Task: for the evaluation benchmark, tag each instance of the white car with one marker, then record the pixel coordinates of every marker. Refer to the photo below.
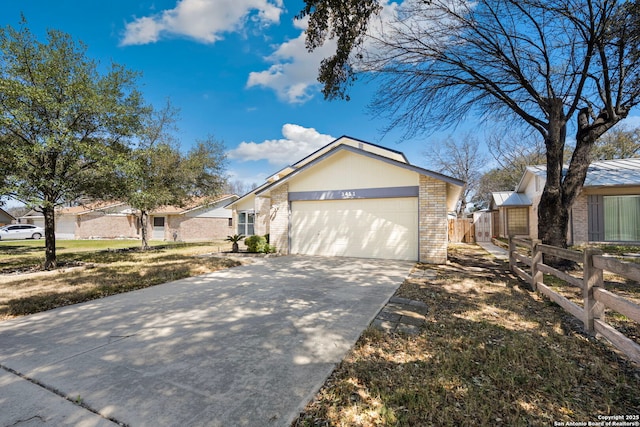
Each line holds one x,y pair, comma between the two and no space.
21,231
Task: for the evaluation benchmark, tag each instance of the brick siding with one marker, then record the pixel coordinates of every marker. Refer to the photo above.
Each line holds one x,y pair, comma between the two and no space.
98,225
262,211
579,220
189,229
279,228
432,222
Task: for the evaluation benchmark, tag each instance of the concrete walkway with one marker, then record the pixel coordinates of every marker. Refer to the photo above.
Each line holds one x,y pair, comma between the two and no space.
494,250
241,347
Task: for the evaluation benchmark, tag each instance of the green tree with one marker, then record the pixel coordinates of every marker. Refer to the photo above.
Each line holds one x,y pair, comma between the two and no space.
536,64
64,125
158,174
619,143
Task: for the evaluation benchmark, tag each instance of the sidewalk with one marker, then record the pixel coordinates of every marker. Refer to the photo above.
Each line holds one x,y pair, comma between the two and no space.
494,250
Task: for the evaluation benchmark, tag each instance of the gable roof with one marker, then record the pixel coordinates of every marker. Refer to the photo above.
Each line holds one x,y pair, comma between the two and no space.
194,205
3,212
100,206
603,173
350,144
338,148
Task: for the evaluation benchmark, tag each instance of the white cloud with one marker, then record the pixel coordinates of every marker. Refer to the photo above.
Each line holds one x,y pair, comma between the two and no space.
202,20
298,142
294,70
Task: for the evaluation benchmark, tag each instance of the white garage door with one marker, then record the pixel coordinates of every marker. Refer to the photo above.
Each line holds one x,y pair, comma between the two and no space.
364,228
65,227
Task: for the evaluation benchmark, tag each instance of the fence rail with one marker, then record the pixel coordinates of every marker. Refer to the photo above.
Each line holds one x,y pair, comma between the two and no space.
595,299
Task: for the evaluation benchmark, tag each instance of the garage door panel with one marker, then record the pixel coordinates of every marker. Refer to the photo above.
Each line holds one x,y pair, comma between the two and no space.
368,228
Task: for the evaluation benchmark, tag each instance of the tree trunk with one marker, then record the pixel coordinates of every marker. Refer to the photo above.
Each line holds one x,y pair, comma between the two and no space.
560,190
144,222
553,213
49,238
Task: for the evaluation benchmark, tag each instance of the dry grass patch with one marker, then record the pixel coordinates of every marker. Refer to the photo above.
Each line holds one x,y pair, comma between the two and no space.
491,353
103,274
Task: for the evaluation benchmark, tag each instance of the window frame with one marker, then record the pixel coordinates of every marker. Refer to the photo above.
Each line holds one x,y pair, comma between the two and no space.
246,222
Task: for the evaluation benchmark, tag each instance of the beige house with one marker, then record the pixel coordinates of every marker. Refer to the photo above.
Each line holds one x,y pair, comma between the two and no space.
352,198
606,210
110,220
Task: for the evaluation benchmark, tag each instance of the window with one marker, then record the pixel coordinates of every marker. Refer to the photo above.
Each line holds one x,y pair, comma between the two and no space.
158,221
518,221
230,222
621,218
245,223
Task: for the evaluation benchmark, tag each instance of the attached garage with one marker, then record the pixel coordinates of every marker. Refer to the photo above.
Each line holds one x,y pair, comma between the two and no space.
367,228
356,199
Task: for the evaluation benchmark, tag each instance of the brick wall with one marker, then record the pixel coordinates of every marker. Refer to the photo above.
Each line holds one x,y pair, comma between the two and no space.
432,199
98,225
188,229
279,228
579,221
262,211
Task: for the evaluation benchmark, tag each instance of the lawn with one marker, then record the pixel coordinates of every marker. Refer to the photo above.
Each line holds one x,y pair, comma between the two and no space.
491,353
94,269
30,253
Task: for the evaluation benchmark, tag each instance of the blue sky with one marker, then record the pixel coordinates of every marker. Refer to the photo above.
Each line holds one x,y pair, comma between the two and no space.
236,69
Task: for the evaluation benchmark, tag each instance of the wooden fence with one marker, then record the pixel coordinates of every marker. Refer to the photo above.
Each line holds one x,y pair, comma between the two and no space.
595,299
461,230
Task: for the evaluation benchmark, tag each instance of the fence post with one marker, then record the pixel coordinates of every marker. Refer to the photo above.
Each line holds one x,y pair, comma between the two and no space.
512,248
536,258
592,279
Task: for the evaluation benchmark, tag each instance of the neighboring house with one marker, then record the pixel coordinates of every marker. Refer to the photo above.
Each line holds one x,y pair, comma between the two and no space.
5,218
353,198
109,220
606,210
198,221
512,217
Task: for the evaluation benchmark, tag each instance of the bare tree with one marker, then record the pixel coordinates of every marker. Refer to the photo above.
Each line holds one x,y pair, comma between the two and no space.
529,63
462,159
512,153
238,187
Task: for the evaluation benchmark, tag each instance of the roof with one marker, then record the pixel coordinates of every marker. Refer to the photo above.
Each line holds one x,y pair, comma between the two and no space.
505,199
86,208
603,173
195,204
2,211
354,145
447,179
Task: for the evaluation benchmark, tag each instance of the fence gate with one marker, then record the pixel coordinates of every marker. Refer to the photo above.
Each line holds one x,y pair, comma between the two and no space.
482,223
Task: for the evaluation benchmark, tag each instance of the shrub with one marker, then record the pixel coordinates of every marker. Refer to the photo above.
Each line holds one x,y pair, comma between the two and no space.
255,244
259,244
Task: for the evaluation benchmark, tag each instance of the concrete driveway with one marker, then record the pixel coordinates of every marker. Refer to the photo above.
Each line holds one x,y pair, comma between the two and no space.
242,347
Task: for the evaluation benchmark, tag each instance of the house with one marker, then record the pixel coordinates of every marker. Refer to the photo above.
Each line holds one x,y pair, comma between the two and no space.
5,218
352,198
606,210
513,212
196,222
108,220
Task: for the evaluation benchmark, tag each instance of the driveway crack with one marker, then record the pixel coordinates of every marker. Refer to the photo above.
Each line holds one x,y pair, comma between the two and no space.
76,401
